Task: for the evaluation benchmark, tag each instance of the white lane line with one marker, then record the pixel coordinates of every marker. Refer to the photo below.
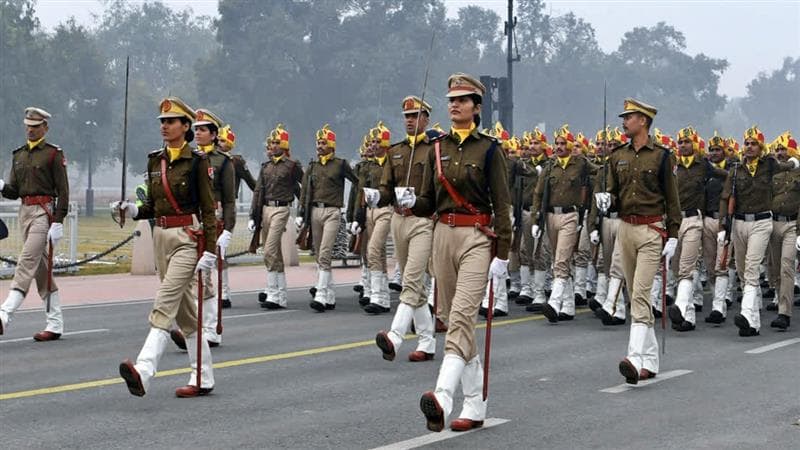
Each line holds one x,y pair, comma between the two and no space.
271,313
769,347
71,333
438,437
661,377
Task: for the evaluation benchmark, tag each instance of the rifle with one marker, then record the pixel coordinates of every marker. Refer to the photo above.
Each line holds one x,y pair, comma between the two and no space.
517,205
255,241
422,99
121,221
584,197
304,239
729,218
541,218
602,179
357,241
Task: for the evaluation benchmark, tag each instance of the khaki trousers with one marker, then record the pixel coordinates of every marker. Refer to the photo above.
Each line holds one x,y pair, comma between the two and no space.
413,238
782,242
176,258
273,222
640,254
526,240
562,230
750,239
379,223
32,262
324,226
584,254
461,258
690,241
612,266
712,253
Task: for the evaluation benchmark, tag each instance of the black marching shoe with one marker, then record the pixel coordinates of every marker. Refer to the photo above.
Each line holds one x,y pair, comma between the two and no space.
271,305
675,315
523,300
563,316
482,311
363,301
513,294
781,322
698,308
374,309
670,300
589,294
613,321
594,305
772,307
499,313
358,288
262,297
769,293
226,303
656,313
313,291
534,308
580,301
397,287
745,330
683,326
550,313
715,317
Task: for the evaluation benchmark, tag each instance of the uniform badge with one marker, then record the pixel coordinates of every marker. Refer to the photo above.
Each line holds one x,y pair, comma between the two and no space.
397,156
446,158
211,173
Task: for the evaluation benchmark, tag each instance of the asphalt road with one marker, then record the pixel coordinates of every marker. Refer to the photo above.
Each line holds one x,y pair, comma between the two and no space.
300,379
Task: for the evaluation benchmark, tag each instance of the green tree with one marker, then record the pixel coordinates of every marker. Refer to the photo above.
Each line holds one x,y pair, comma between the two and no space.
773,100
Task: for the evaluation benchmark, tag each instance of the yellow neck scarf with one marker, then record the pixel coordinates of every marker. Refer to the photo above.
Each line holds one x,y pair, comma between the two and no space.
324,159
687,161
32,144
277,159
206,148
563,162
721,164
463,133
537,159
380,159
752,166
414,139
174,153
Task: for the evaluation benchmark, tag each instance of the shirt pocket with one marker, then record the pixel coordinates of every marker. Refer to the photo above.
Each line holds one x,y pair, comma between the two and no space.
650,180
475,175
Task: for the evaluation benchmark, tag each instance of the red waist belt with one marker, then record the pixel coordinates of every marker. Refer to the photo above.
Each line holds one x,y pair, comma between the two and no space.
31,200
184,220
465,220
641,220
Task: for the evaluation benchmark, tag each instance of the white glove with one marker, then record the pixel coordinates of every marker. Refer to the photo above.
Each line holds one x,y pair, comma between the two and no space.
793,160
594,237
223,241
669,249
513,221
130,208
721,238
578,230
536,232
538,170
2,184
372,197
603,200
206,262
797,244
251,225
298,221
55,233
355,230
498,269
408,199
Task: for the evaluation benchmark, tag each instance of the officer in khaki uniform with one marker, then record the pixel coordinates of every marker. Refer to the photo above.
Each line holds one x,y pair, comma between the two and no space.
693,172
525,180
38,176
356,212
567,176
465,182
609,301
180,197
412,235
582,255
227,141
378,219
278,184
718,150
642,185
323,182
752,224
785,204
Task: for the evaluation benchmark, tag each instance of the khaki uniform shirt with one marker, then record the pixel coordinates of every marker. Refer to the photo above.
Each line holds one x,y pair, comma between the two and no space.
327,182
242,173
354,204
396,168
692,182
714,190
754,193
565,183
786,193
643,183
464,166
191,189
370,177
277,181
223,184
41,170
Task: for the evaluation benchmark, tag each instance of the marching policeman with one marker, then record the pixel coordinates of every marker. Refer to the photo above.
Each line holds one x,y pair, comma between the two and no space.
466,183
278,184
323,192
181,200
642,185
39,178
358,213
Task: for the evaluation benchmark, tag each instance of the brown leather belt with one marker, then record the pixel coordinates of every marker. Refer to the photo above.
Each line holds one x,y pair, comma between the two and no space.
184,220
30,200
641,220
465,220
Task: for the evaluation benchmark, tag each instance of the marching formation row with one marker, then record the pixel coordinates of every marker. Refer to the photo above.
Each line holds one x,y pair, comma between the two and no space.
628,223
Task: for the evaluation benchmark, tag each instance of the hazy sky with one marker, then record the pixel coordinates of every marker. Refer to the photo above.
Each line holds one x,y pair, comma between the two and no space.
754,36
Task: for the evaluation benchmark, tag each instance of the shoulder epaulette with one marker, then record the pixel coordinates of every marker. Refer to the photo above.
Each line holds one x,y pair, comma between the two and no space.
201,154
618,147
437,137
19,148
156,152
488,136
50,144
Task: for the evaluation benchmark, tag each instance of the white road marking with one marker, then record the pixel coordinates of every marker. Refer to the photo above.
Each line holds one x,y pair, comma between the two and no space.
71,333
769,347
430,438
271,313
661,377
